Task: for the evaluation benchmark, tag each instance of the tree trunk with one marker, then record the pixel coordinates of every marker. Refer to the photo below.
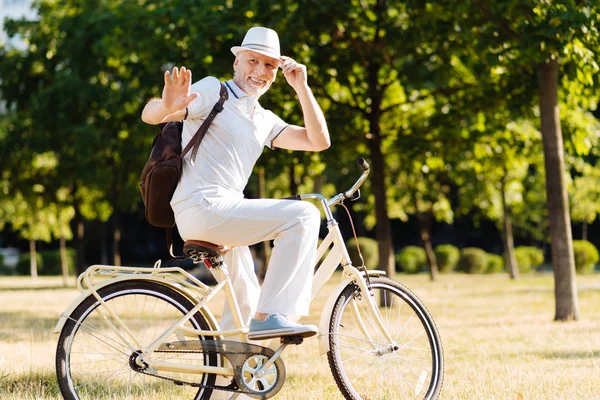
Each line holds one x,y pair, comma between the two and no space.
425,233
64,264
78,239
293,180
104,243
33,259
116,239
383,230
563,261
116,217
510,259
265,246
584,230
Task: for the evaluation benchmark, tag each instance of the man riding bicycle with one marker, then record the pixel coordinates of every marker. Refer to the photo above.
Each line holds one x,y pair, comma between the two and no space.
209,204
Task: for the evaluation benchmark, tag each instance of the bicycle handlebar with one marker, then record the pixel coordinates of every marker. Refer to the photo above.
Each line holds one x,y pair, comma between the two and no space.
339,198
362,164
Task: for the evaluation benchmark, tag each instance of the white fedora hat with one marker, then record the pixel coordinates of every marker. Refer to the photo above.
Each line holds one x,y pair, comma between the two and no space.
262,40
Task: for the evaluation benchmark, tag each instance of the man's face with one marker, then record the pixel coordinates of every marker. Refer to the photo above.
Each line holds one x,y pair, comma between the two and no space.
254,72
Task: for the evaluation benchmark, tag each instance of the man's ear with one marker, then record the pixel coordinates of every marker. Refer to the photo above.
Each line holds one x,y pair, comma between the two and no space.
235,63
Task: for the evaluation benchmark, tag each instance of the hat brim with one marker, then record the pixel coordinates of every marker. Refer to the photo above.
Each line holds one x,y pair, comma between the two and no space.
237,49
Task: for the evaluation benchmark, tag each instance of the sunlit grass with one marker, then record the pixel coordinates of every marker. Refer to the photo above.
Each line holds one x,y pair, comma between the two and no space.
499,339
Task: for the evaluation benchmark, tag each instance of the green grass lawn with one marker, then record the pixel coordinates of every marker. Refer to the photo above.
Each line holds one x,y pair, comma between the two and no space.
499,339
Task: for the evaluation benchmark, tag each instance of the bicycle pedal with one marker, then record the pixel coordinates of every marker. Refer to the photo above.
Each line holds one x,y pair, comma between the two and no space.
292,340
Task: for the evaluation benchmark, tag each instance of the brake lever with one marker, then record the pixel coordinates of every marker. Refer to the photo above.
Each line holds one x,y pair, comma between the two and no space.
355,196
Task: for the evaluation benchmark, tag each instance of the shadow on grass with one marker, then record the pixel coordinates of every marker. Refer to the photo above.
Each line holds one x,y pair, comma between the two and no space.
571,355
582,288
33,288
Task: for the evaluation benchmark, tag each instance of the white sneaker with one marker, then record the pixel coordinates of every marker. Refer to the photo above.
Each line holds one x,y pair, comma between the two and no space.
278,325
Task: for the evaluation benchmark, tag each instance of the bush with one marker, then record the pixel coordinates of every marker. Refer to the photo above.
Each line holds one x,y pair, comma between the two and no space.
23,267
586,256
528,258
495,264
411,259
447,257
369,249
52,263
472,261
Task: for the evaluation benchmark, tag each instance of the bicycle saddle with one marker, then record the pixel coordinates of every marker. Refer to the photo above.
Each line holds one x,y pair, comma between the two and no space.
213,250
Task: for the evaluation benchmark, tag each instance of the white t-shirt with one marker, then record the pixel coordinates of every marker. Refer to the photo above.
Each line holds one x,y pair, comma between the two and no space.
230,148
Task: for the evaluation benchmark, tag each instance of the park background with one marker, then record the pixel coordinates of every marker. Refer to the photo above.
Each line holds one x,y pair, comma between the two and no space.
479,120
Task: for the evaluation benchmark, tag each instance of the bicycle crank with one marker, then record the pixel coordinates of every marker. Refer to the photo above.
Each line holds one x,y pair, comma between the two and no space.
259,372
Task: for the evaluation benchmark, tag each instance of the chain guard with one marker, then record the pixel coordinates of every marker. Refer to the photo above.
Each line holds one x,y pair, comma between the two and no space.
236,353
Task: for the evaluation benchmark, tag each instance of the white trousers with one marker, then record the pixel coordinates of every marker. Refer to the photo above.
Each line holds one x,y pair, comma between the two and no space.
235,222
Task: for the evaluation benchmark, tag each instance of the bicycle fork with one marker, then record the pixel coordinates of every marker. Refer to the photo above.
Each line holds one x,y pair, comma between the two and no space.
368,296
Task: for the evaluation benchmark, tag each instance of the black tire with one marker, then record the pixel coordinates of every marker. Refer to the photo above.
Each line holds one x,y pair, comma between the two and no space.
93,363
364,366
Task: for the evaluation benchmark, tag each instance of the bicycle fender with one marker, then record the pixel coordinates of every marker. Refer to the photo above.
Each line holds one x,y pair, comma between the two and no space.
65,314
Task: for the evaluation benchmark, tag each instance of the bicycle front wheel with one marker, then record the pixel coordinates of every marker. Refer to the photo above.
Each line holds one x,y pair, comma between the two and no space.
365,365
94,362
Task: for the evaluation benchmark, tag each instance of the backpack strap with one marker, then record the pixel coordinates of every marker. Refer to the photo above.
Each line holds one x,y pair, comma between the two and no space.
169,238
195,142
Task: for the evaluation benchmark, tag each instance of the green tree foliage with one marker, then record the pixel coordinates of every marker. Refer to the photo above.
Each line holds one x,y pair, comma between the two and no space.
497,175
411,259
585,194
529,258
421,189
80,85
495,264
357,60
368,248
447,257
443,97
586,256
520,49
472,261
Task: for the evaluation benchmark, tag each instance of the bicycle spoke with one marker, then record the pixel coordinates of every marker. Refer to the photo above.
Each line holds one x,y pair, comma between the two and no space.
96,361
91,328
112,373
360,339
403,326
367,365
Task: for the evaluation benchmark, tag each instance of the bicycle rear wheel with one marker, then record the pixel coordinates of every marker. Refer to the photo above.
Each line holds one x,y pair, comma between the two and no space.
93,362
364,366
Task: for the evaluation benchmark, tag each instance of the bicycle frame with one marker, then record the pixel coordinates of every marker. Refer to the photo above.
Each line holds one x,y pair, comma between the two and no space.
201,294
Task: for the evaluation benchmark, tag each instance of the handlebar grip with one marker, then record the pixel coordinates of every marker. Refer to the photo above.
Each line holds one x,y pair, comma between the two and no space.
362,164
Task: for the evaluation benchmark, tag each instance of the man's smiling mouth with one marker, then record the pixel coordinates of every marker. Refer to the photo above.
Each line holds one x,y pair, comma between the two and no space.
256,81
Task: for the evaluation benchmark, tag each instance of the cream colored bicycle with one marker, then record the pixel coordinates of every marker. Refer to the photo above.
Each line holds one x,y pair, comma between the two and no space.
149,333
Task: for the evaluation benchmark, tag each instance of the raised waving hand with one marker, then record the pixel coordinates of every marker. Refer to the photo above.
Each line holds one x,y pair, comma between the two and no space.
176,93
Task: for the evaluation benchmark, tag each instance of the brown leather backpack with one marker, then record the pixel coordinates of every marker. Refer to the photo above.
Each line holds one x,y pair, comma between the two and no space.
161,174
